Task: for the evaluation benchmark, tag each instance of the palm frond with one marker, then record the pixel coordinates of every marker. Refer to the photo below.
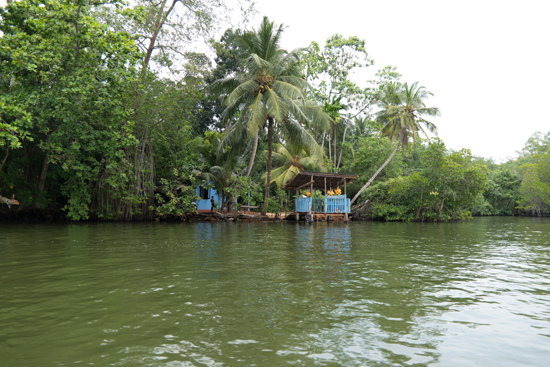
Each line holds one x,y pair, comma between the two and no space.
281,175
430,111
287,90
298,135
296,81
231,109
282,154
315,116
224,86
244,88
402,117
276,105
256,65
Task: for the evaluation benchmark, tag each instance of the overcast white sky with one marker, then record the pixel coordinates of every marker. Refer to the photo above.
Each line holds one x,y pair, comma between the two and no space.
487,62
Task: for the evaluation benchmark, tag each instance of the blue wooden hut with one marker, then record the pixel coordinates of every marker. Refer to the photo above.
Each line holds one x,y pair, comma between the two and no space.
333,206
206,194
204,204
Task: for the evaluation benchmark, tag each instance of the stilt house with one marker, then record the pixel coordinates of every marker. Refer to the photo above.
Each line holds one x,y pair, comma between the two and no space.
330,205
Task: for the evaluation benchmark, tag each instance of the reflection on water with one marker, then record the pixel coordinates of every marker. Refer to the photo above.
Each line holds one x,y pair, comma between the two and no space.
471,293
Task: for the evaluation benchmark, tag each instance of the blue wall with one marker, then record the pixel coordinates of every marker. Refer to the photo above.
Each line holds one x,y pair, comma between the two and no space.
206,204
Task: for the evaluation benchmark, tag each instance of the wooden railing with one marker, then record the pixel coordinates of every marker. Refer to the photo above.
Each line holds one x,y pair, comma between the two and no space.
337,204
331,204
303,204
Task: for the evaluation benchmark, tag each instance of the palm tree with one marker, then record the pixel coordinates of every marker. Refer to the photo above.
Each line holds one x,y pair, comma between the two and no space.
221,165
401,117
362,126
334,110
293,159
270,89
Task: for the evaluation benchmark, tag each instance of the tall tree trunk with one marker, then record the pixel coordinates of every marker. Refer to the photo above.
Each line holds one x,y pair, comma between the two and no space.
229,204
329,148
335,137
42,179
323,142
269,138
44,173
379,169
253,154
5,158
161,19
141,185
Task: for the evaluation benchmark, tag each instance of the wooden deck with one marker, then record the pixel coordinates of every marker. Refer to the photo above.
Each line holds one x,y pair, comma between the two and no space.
322,216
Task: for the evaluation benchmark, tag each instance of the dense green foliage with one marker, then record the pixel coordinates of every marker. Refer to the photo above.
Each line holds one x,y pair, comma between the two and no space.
518,186
534,192
442,190
67,79
105,113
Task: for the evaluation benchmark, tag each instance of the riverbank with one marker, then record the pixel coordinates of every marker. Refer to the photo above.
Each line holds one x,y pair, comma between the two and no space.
33,214
40,215
244,216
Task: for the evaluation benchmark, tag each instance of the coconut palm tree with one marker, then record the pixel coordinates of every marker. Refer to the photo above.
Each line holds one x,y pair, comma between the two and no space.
269,90
401,118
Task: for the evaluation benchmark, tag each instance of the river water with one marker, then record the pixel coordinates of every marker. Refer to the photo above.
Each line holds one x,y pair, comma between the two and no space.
473,293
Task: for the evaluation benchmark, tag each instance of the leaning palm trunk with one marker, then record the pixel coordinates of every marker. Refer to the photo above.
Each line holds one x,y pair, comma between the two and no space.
379,169
253,154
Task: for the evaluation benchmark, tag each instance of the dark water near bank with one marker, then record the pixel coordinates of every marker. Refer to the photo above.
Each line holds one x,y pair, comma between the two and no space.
473,293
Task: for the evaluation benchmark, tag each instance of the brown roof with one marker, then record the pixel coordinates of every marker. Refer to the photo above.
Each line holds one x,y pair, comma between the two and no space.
304,178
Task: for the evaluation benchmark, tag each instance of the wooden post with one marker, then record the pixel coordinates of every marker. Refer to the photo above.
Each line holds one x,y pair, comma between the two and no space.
296,205
345,201
314,201
311,196
325,198
345,188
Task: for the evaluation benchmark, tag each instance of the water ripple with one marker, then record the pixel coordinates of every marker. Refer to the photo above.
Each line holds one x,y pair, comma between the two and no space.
471,293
